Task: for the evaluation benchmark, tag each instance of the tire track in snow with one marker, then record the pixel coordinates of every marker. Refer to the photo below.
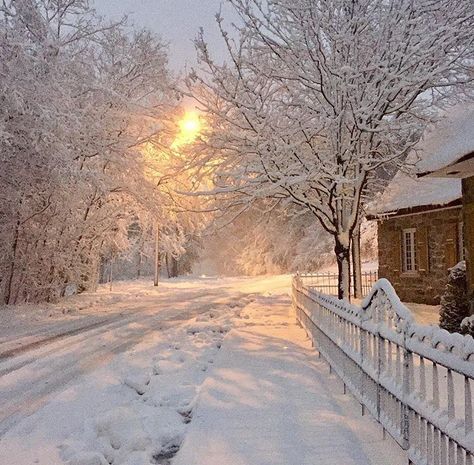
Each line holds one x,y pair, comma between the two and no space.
47,340
55,373
25,403
49,346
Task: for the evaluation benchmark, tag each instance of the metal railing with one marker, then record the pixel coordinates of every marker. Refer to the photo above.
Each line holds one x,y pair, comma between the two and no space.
415,380
327,282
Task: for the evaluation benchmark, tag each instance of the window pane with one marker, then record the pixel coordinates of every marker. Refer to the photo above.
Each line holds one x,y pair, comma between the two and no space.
413,248
409,250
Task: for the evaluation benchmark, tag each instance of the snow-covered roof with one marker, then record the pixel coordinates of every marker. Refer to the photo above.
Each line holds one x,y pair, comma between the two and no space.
407,191
449,140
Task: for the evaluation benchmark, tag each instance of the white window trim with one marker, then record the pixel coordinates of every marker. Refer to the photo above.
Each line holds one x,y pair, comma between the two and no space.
412,232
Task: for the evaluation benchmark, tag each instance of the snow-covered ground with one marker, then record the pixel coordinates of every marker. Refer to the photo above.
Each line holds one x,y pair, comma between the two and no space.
424,314
218,363
270,401
372,265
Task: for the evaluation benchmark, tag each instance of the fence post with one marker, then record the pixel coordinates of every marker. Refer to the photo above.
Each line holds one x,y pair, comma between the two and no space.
363,341
380,368
467,406
406,386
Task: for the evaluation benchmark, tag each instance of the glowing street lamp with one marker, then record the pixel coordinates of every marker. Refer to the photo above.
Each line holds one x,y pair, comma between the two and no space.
189,128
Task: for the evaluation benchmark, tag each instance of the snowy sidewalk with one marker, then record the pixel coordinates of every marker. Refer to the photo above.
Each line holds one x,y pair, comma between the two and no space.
270,401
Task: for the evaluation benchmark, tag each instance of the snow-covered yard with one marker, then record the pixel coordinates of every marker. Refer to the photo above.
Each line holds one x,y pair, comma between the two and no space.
218,363
424,314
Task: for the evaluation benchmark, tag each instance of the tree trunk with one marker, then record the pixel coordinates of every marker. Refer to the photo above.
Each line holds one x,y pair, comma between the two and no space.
167,260
171,266
111,273
11,273
343,254
174,267
356,263
139,265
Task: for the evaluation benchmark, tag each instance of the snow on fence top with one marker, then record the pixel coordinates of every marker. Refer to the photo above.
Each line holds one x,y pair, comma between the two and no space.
382,312
415,380
390,317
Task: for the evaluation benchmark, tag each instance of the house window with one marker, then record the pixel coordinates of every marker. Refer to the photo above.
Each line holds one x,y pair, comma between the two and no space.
409,250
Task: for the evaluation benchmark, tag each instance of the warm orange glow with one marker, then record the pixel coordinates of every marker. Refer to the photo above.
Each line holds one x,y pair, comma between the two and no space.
189,129
190,126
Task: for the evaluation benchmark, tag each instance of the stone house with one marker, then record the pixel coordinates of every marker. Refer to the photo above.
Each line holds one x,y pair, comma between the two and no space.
425,219
457,165
418,242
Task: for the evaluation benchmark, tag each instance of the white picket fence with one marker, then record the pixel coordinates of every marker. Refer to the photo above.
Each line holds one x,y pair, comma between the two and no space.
415,380
328,282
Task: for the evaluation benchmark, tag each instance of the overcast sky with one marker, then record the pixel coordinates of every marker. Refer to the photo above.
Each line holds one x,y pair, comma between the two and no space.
177,21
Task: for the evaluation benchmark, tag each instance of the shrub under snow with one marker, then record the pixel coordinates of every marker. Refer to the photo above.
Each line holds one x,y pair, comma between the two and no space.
454,301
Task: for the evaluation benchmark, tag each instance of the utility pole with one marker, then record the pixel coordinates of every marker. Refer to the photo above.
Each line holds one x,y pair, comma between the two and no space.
111,273
157,255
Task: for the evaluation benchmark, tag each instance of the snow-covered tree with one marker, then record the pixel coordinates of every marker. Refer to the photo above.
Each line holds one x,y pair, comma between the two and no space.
265,240
80,99
317,97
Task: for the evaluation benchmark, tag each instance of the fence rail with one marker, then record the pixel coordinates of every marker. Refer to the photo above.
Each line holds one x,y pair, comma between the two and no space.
415,380
327,282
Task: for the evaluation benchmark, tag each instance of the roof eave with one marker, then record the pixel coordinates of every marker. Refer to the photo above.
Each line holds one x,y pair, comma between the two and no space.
463,167
413,210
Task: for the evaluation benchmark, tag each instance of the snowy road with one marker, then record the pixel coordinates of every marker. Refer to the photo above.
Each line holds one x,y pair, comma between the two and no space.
35,370
37,374
48,361
138,377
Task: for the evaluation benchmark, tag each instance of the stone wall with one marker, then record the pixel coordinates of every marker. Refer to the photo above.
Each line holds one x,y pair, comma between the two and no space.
436,247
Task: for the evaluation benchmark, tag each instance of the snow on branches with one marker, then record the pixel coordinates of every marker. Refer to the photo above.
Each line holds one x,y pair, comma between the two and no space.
318,97
79,98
